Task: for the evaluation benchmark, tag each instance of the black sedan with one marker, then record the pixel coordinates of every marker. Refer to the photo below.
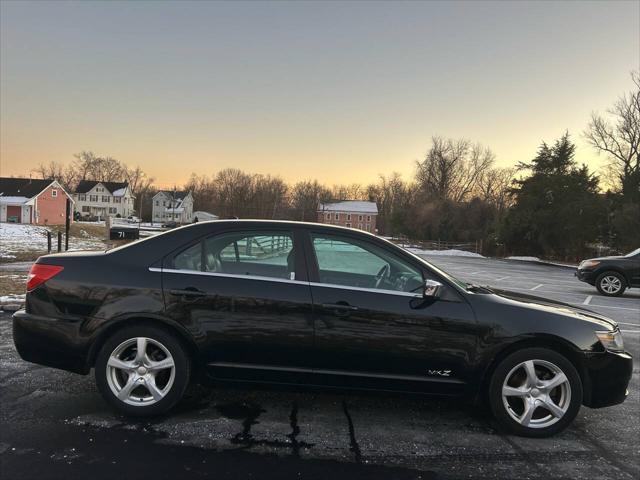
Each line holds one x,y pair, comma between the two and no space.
299,303
611,275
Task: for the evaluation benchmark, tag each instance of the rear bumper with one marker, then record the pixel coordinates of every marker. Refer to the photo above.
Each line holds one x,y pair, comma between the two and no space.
50,341
606,378
586,276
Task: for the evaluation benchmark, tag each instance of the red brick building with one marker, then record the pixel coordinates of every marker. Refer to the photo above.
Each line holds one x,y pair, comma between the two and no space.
26,200
350,213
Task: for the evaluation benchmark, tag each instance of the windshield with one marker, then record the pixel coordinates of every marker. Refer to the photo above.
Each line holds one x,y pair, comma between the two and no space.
634,253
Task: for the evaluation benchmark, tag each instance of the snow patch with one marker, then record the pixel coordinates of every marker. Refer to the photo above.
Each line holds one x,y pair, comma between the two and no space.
13,298
525,259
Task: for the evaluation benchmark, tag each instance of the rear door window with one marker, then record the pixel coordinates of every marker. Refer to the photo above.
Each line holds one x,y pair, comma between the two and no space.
262,254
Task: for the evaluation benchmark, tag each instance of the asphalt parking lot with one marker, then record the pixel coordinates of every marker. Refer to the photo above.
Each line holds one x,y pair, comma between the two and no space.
55,425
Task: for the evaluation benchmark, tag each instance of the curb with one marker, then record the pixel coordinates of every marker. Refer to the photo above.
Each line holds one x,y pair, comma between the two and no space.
541,262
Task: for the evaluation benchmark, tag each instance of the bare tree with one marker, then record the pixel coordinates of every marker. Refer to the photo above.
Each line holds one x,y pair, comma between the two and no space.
452,168
494,187
65,175
305,198
89,166
619,139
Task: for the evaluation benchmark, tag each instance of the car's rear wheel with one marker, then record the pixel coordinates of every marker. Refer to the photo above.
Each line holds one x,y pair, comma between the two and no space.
611,284
142,370
535,392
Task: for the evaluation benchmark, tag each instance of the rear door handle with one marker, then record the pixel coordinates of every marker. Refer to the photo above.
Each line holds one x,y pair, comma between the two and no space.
187,292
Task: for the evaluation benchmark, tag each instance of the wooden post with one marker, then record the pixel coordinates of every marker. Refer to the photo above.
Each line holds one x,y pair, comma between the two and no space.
67,225
48,241
59,241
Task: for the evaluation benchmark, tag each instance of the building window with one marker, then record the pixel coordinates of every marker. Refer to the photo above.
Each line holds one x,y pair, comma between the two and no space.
116,199
360,219
105,198
337,216
157,203
93,198
328,216
348,225
82,197
348,217
368,227
54,193
360,225
112,209
85,208
368,218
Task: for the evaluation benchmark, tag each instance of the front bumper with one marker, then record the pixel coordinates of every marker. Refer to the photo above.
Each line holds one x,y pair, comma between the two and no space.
587,276
606,378
51,342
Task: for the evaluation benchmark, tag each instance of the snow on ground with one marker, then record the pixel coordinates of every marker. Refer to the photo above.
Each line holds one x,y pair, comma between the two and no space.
12,298
18,240
446,253
525,259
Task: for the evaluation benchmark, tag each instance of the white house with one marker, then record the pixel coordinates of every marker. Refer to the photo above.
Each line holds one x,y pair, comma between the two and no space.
172,206
102,199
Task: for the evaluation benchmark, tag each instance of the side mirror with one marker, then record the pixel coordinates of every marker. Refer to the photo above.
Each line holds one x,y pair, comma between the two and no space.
432,289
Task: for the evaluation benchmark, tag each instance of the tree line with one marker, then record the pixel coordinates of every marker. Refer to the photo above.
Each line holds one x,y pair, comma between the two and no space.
550,206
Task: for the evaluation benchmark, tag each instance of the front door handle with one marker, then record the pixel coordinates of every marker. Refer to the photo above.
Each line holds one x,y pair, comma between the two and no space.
187,292
341,309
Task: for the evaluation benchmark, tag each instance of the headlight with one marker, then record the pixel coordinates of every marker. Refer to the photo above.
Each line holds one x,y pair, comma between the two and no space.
612,341
589,264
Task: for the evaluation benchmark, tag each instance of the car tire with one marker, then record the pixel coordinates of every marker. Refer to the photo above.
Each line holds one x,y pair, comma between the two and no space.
539,403
144,384
611,284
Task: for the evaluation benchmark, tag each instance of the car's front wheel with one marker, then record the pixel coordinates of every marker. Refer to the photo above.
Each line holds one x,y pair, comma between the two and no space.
535,392
142,370
611,284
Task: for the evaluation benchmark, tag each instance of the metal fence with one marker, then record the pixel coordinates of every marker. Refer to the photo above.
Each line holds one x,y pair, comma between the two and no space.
404,242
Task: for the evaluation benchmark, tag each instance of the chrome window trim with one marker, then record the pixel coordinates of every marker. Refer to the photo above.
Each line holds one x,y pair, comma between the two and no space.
364,289
348,373
285,280
227,275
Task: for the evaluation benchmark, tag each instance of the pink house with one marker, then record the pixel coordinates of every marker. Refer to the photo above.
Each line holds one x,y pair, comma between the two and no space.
40,202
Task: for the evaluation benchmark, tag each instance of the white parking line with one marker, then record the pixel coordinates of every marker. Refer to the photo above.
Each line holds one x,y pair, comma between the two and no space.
587,300
538,286
630,331
631,324
502,278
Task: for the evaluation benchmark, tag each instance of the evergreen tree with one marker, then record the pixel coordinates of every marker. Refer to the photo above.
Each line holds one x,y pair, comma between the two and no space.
557,209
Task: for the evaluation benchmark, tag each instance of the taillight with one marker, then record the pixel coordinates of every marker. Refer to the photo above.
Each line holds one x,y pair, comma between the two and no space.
40,273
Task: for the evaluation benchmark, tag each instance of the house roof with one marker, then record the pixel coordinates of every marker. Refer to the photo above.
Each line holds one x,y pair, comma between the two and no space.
86,185
349,206
177,194
23,187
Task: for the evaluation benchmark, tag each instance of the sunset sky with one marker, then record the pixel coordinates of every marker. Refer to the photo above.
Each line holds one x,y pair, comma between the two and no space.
340,92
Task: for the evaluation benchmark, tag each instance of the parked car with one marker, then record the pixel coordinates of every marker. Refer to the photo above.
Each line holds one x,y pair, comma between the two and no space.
302,303
133,219
170,224
611,275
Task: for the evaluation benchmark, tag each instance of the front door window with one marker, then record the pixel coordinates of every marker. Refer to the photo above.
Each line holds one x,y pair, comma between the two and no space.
354,263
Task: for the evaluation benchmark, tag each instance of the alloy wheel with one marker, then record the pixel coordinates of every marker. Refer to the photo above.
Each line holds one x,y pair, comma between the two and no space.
611,284
140,371
536,393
